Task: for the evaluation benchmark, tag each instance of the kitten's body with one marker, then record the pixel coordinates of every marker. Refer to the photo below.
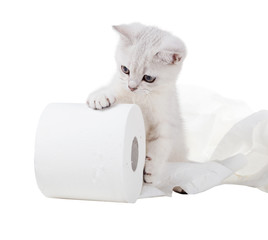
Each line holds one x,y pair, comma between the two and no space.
150,51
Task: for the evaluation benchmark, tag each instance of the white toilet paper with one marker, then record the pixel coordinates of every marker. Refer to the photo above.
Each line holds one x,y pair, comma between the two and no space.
99,155
93,155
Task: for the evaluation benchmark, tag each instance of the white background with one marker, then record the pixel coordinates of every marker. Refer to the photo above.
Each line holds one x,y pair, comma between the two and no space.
60,51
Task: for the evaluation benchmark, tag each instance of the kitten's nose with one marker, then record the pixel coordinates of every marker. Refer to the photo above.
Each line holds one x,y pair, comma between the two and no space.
132,85
132,89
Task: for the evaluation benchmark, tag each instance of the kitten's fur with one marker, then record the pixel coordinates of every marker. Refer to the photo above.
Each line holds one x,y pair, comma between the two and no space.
151,51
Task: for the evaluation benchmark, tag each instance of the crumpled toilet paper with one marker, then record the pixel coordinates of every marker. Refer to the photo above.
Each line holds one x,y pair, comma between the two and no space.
228,144
250,138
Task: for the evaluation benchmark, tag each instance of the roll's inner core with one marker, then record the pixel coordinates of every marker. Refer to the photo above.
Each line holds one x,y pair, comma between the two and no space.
134,153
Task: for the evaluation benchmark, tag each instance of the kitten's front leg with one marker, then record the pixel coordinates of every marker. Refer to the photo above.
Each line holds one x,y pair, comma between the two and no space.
158,153
101,98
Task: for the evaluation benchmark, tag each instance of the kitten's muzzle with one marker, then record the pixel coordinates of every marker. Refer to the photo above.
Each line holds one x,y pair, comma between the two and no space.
132,89
132,85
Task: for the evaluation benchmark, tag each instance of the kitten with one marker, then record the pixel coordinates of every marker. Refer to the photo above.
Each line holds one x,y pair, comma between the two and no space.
148,63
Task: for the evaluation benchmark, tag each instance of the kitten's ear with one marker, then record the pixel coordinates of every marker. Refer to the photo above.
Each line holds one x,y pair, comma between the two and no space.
173,51
168,57
128,32
123,32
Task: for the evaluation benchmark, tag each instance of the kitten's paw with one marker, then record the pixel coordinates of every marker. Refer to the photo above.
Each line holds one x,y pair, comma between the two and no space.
148,177
179,190
100,100
153,171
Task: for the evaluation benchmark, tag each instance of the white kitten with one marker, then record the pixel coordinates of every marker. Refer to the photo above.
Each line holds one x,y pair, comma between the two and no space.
148,63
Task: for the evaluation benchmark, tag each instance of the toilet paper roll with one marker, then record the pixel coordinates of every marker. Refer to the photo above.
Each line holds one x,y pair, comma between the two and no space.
81,153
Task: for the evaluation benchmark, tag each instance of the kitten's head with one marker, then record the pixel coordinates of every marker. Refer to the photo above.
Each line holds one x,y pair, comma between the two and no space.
148,59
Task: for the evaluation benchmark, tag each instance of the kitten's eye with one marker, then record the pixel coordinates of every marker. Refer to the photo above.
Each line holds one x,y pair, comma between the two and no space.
125,69
148,78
